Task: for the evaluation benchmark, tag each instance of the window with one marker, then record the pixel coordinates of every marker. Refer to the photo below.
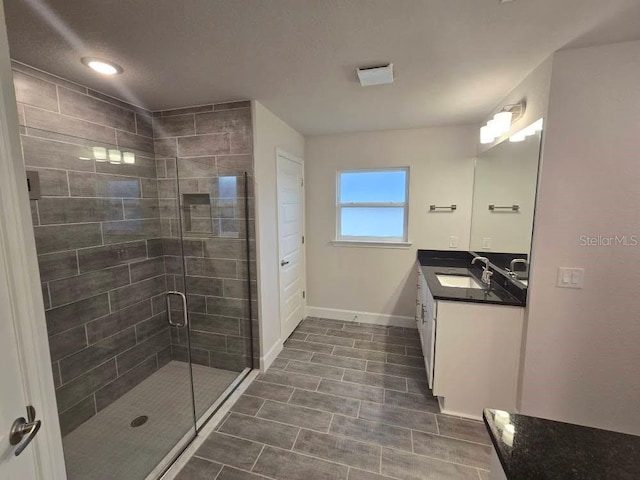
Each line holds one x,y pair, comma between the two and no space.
372,205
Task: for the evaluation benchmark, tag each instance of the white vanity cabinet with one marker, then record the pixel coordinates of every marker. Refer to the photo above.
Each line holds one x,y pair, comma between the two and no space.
472,352
426,318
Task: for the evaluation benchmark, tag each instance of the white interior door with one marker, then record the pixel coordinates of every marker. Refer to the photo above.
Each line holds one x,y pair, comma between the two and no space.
290,241
25,364
12,396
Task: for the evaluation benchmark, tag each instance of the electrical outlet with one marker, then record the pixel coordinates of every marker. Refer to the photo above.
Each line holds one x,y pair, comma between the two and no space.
569,277
453,242
486,243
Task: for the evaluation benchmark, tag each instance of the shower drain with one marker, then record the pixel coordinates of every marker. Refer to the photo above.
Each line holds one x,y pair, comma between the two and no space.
141,420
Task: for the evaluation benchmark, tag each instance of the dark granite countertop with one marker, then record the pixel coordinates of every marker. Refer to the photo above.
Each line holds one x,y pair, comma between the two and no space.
502,291
548,450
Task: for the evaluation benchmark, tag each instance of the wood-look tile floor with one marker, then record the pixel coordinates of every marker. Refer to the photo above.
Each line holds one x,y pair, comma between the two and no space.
342,401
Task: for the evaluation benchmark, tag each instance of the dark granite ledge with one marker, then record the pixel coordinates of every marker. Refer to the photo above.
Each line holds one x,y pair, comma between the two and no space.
549,450
503,290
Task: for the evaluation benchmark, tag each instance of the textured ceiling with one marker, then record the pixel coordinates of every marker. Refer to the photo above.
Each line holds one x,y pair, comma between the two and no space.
453,59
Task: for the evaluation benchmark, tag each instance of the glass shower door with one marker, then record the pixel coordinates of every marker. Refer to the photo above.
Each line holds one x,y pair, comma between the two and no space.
216,210
125,405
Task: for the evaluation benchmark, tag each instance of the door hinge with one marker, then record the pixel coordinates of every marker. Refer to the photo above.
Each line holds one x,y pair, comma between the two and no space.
303,239
302,182
304,294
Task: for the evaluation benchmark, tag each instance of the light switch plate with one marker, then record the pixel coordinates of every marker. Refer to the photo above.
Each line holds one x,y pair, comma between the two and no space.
570,277
453,242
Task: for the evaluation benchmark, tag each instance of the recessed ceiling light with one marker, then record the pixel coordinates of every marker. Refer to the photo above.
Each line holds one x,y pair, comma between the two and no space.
102,66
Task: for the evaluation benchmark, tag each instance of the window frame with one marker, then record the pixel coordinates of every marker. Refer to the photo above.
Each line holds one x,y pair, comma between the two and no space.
340,239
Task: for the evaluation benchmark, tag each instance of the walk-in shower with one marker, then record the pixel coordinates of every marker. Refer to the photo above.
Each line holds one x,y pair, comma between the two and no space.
144,229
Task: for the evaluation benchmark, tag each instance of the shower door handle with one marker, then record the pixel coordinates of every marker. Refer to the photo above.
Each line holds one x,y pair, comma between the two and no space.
183,297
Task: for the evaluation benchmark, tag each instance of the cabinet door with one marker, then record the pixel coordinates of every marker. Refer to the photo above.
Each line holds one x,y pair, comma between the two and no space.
428,337
478,351
418,304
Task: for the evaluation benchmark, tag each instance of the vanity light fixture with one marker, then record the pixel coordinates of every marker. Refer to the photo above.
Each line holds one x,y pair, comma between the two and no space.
501,122
532,129
102,66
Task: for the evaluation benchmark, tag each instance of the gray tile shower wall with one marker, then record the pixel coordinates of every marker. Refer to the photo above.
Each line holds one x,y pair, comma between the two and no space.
214,148
98,237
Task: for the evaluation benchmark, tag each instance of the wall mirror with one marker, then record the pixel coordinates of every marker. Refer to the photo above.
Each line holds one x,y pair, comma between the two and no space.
504,193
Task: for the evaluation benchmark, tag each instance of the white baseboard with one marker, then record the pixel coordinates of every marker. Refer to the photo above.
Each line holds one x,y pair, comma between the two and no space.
454,413
362,317
267,359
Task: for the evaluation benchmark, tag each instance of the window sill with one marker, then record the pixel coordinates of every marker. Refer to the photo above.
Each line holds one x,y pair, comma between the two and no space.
370,244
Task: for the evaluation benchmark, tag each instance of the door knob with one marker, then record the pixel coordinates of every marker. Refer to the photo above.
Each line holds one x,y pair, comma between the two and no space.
283,263
22,432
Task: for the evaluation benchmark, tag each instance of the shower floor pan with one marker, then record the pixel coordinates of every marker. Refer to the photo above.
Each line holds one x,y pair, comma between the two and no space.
108,446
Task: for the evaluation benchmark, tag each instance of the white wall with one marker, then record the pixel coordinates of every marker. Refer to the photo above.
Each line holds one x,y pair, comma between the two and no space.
270,132
582,358
382,281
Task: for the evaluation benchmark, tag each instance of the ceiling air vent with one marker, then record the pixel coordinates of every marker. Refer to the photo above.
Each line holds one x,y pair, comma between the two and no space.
378,75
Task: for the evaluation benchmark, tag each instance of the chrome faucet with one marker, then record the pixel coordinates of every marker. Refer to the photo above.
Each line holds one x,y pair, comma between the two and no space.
515,261
486,273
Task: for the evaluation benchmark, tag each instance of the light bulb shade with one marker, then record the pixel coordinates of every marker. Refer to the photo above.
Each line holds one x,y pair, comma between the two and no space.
128,158
100,154
530,130
537,125
518,137
486,136
115,156
503,121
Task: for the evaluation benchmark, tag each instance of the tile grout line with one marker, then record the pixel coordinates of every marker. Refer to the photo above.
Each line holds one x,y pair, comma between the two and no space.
330,423
258,457
296,439
291,396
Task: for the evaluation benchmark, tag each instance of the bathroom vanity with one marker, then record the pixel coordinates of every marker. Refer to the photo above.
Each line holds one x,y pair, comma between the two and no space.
470,334
470,304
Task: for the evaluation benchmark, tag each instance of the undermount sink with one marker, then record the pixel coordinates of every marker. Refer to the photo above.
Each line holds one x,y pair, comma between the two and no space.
458,281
